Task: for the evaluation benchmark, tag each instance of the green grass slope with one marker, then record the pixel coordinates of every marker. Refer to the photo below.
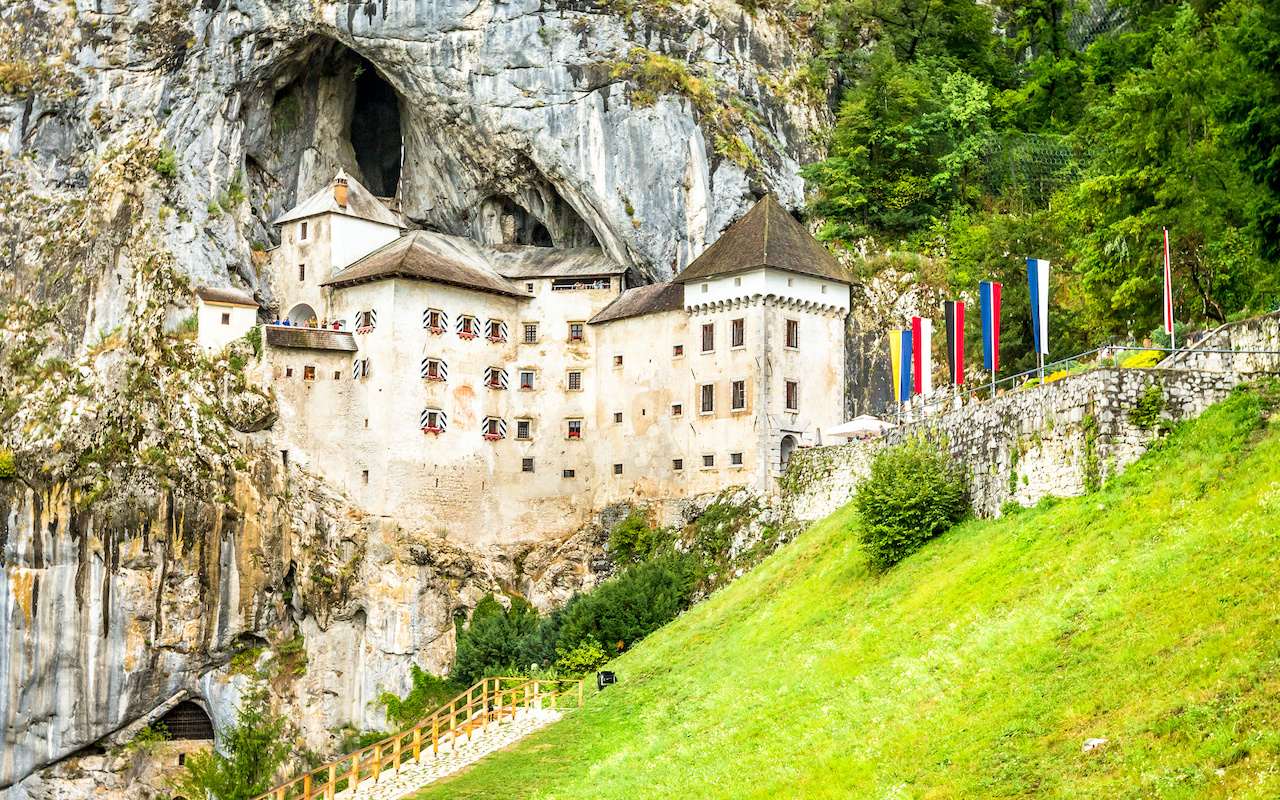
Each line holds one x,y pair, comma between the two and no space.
1147,613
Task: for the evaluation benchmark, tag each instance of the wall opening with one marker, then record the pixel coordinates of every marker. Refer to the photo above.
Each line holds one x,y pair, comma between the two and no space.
187,720
788,445
375,131
504,221
301,314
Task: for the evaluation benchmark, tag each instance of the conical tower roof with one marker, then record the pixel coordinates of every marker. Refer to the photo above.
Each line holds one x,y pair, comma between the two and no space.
766,236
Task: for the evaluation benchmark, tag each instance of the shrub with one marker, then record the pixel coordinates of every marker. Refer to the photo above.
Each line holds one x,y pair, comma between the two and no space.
7,468
1143,360
629,607
167,162
586,657
911,495
491,641
428,694
1146,411
629,540
252,749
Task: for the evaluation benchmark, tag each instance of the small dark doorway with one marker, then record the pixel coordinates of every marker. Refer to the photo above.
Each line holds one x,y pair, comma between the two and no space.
187,720
375,131
788,445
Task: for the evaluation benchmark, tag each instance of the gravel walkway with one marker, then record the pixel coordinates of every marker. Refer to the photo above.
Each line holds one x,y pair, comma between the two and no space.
412,776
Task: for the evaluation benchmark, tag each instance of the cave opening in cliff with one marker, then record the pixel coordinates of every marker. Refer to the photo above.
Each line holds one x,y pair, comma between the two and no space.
187,720
375,131
504,221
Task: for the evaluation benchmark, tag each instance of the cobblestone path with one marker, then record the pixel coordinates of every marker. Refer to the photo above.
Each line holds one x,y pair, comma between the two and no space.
412,776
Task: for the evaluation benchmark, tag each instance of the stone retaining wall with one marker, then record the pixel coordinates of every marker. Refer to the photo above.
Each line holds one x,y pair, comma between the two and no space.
1060,439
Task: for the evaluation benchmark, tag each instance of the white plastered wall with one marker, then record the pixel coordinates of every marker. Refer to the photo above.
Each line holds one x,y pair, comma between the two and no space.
212,334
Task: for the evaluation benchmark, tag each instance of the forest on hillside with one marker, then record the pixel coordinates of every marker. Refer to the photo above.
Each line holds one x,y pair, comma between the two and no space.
974,135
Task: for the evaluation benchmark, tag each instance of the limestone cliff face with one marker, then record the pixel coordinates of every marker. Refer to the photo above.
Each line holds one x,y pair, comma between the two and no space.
151,530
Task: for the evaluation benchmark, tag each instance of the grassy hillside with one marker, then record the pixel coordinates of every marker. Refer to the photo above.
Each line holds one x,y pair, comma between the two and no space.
1147,613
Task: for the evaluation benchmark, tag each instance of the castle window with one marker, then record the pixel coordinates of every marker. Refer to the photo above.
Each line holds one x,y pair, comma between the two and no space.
366,321
568,473
226,319
337,374
495,377
435,369
526,380
468,327
575,429
497,331
708,337
738,333
308,373
530,333
617,361
617,418
494,428
575,381
617,469
360,368
288,372
705,288
793,396
708,461
791,281
677,464
824,288
735,459
302,272
528,287
677,351
435,320
575,331
364,477
302,232
793,333
677,409
738,395
523,429
526,465
708,398
433,420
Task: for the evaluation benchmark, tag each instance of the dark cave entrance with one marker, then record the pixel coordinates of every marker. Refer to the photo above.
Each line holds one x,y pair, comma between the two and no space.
375,131
504,221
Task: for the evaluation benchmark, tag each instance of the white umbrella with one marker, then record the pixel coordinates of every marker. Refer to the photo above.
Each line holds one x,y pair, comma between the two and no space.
860,426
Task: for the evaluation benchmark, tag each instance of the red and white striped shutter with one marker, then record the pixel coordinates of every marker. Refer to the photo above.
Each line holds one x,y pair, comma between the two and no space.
488,375
457,328
444,421
444,320
424,418
426,368
426,318
505,334
502,378
502,428
444,370
355,369
373,318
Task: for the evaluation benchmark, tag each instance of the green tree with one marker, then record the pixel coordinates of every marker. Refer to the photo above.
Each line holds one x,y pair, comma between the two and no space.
250,752
491,641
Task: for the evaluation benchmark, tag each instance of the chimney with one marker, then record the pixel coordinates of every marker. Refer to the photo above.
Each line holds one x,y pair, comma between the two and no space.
340,189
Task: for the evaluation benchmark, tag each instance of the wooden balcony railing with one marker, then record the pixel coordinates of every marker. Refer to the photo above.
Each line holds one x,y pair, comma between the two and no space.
487,703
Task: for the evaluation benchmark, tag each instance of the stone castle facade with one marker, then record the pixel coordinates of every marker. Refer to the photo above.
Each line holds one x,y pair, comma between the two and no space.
502,393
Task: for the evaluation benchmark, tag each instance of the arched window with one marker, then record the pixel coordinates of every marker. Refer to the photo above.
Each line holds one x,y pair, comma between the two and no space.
187,720
300,314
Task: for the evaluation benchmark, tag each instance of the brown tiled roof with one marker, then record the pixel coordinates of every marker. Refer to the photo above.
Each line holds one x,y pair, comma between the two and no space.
310,338
360,204
766,236
524,261
643,300
428,256
226,296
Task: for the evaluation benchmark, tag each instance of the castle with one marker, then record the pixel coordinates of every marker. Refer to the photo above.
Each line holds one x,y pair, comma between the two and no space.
503,392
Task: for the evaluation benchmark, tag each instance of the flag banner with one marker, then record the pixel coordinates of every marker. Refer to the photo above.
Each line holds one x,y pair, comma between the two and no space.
1168,288
1038,282
955,340
895,362
900,357
904,391
989,294
922,354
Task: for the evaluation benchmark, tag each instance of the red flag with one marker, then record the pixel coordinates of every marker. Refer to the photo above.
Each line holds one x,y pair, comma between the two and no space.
1168,288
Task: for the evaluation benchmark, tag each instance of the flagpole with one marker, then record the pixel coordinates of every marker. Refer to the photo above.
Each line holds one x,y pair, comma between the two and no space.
1168,300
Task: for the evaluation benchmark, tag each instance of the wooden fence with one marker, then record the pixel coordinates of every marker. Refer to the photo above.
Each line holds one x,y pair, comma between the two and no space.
487,703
